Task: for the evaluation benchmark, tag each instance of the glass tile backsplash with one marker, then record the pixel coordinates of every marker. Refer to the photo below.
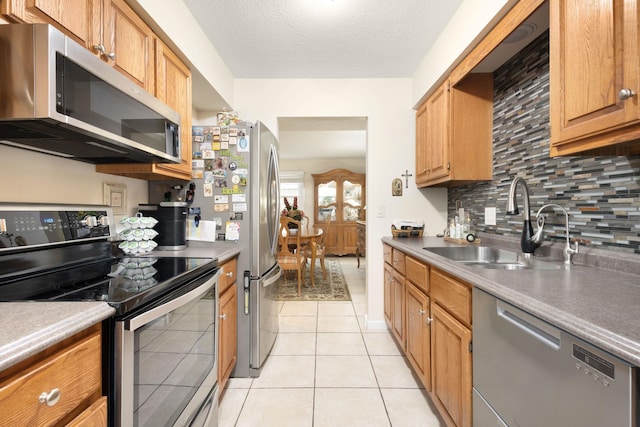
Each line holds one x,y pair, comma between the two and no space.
601,194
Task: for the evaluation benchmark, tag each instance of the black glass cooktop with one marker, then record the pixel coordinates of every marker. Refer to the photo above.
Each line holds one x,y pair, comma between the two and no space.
123,282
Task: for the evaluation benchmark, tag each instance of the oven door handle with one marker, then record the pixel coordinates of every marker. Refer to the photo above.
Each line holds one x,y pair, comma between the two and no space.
157,312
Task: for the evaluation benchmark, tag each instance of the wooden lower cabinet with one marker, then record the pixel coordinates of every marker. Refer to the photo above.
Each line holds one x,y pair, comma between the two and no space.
398,314
419,334
94,416
429,314
451,367
394,296
228,322
60,386
388,296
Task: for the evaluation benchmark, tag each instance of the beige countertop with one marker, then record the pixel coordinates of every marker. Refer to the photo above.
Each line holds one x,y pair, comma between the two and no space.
29,327
599,305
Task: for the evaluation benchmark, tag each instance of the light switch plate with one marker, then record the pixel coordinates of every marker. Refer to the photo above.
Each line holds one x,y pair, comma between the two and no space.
490,216
380,212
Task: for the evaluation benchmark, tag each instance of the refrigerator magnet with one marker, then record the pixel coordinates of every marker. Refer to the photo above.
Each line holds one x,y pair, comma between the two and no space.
239,207
208,190
243,142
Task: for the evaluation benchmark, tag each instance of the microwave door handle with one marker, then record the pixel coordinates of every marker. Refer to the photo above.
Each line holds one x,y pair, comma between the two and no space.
157,312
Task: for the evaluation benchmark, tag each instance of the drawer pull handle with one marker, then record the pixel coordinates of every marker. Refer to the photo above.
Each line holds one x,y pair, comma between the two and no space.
230,274
50,398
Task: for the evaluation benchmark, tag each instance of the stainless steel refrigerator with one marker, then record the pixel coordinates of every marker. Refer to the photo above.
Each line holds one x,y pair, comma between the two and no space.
238,186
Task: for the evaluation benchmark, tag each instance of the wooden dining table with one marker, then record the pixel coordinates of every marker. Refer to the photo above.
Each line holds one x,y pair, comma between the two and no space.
310,236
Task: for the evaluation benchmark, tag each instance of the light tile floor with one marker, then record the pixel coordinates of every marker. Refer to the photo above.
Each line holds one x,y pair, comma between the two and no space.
327,369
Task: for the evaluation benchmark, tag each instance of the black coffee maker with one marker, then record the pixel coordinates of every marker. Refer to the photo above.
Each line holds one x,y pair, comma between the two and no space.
171,226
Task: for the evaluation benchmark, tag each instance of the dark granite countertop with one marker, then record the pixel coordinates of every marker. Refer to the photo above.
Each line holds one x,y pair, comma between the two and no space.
598,301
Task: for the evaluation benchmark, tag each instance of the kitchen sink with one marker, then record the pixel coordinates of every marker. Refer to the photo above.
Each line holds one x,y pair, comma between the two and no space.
492,258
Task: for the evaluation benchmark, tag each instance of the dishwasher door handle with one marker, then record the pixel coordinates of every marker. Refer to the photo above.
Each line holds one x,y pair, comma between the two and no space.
536,328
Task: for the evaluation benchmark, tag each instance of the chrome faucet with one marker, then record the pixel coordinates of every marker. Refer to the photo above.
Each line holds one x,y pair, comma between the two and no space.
568,250
527,243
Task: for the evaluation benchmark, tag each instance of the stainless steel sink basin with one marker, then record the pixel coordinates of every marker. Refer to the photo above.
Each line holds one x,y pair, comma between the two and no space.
491,258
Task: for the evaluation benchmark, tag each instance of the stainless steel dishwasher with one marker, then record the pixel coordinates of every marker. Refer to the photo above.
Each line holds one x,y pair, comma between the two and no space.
529,373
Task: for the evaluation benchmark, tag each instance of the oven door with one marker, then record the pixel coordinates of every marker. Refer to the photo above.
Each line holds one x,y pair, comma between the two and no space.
166,359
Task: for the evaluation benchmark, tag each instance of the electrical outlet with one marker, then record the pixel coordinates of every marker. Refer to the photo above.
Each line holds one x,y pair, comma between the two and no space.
490,216
380,212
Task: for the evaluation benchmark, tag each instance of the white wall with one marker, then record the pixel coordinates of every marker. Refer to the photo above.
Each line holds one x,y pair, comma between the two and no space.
34,177
390,150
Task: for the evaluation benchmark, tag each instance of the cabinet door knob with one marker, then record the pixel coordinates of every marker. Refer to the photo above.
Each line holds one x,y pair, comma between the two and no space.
99,48
429,320
626,93
230,274
223,316
50,398
421,312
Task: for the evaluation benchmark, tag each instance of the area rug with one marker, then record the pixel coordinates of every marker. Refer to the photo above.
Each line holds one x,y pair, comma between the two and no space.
333,288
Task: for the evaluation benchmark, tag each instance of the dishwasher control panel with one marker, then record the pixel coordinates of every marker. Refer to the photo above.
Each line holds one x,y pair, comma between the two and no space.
594,361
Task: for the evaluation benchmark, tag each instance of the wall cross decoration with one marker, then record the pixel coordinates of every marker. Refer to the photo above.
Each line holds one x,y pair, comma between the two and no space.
406,176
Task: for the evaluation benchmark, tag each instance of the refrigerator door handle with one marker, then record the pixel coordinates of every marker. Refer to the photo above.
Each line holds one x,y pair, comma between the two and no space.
247,284
274,177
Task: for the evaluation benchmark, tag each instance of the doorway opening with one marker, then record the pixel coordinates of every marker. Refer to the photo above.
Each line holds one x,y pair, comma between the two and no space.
315,145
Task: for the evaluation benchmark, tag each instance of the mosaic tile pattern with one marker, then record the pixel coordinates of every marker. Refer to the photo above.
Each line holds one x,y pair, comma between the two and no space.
601,194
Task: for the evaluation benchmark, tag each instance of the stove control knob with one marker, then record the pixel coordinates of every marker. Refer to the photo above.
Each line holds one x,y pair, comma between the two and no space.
90,221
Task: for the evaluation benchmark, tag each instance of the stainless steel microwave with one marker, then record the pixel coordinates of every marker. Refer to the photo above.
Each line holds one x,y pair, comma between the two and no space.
56,97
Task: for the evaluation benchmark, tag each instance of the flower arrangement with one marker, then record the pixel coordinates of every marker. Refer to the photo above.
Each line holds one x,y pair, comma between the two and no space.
292,211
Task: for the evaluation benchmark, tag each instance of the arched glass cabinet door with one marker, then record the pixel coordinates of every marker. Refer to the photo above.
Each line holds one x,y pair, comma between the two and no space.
327,201
352,201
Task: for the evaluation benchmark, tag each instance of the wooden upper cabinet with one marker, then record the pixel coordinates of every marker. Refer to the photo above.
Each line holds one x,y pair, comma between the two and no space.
83,24
173,87
422,175
108,28
593,60
454,133
128,43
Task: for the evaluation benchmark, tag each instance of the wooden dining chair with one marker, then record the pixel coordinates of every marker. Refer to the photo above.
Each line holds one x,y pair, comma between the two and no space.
320,246
291,259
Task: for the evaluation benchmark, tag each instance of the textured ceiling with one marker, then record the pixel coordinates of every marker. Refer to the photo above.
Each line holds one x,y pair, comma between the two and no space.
322,38
329,39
